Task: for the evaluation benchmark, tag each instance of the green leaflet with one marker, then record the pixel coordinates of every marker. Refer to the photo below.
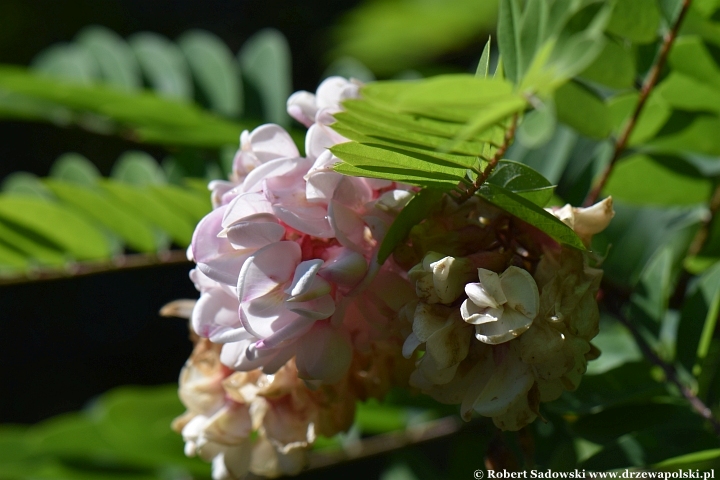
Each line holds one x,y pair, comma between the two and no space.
382,116
103,209
614,66
66,229
636,20
529,212
398,175
413,213
265,61
138,168
215,69
139,202
643,180
483,68
75,168
164,65
375,156
582,109
689,56
116,62
523,181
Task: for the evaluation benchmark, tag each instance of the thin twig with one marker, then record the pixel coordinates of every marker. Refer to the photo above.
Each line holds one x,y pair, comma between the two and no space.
670,373
467,192
385,443
123,262
647,88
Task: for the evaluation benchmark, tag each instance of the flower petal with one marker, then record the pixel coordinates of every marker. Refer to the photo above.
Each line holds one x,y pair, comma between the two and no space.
266,269
316,309
510,325
216,257
302,107
521,291
323,354
255,231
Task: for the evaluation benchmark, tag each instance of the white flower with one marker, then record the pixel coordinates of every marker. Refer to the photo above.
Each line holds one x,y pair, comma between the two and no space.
502,306
440,279
586,222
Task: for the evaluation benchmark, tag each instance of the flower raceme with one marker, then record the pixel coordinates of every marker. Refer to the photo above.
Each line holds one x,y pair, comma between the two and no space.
297,321
516,334
294,315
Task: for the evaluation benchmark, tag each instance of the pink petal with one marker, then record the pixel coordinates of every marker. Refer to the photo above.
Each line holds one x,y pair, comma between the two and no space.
244,206
348,226
273,168
273,140
215,256
303,278
316,309
215,317
263,316
266,269
310,219
255,231
301,106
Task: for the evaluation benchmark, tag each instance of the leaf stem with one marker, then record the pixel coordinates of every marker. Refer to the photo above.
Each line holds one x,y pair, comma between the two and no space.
647,88
670,373
466,192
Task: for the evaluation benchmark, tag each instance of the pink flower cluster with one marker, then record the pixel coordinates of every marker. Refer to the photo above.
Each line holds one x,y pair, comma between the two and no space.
287,253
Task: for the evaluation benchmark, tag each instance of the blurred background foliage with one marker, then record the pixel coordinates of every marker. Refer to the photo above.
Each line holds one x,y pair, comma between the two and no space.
115,114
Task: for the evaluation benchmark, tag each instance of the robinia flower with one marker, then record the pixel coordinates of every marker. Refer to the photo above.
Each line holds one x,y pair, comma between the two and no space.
522,333
501,306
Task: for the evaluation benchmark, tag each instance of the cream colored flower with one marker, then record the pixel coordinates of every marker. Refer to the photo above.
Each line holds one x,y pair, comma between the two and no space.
501,307
589,221
441,279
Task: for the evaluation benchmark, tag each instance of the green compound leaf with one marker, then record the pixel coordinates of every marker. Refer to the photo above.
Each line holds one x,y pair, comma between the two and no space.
417,209
529,212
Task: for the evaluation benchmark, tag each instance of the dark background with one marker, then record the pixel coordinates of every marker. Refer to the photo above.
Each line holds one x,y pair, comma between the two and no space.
65,341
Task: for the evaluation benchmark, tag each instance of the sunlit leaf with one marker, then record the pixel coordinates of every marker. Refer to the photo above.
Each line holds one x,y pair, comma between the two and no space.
643,180
63,227
523,181
101,208
529,212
